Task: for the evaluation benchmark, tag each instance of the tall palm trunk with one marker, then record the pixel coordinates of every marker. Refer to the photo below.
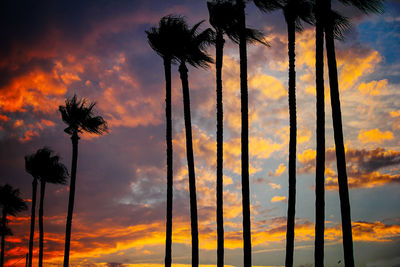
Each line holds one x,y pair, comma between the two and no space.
190,158
41,232
168,238
244,137
74,139
339,144
3,234
292,145
219,45
320,157
32,231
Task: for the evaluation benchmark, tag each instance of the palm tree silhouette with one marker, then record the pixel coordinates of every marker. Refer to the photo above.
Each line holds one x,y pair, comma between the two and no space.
320,136
31,166
243,39
163,40
10,203
79,117
46,167
340,24
191,50
366,6
224,19
294,11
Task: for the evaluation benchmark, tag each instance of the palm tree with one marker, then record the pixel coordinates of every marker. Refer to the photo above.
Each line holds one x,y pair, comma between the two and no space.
191,50
320,136
31,166
10,203
224,19
243,38
163,40
46,167
79,117
294,11
366,6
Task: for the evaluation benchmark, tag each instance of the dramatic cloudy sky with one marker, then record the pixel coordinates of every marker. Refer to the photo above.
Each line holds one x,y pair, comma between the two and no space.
50,50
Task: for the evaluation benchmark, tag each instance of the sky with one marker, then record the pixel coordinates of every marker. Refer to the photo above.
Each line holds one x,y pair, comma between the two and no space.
51,50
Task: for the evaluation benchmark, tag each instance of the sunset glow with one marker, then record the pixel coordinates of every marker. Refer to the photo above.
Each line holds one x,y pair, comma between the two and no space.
99,51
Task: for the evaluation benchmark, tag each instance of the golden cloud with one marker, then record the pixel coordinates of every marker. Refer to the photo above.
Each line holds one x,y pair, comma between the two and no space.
374,136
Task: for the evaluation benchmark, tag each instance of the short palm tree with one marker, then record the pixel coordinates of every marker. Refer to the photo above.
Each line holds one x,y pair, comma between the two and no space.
191,50
295,12
224,19
46,167
79,117
163,40
10,203
375,6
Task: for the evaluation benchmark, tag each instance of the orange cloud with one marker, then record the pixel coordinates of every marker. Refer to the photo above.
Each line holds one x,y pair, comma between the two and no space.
374,136
278,172
37,89
373,88
278,199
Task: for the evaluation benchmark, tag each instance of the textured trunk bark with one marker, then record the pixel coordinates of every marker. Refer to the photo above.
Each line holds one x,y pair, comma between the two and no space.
190,158
74,139
32,230
41,230
3,234
320,132
244,137
220,144
168,114
292,145
339,144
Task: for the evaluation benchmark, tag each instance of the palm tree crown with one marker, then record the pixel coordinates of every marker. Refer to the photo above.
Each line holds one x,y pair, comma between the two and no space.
10,201
192,45
46,166
79,117
164,39
224,16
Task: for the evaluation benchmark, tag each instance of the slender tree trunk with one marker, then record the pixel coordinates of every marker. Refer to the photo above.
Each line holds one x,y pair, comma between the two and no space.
168,238
339,144
244,137
190,158
320,157
33,210
292,146
220,144
74,139
3,234
41,232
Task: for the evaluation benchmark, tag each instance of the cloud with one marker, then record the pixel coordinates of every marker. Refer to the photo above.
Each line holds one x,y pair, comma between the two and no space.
279,171
363,167
278,199
374,136
373,88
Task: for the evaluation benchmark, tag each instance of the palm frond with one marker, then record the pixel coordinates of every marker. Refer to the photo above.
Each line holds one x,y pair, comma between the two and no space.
366,6
164,38
269,5
46,166
341,25
79,117
10,201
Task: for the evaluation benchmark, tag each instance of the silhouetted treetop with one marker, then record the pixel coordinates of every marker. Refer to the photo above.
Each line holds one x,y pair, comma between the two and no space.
79,117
